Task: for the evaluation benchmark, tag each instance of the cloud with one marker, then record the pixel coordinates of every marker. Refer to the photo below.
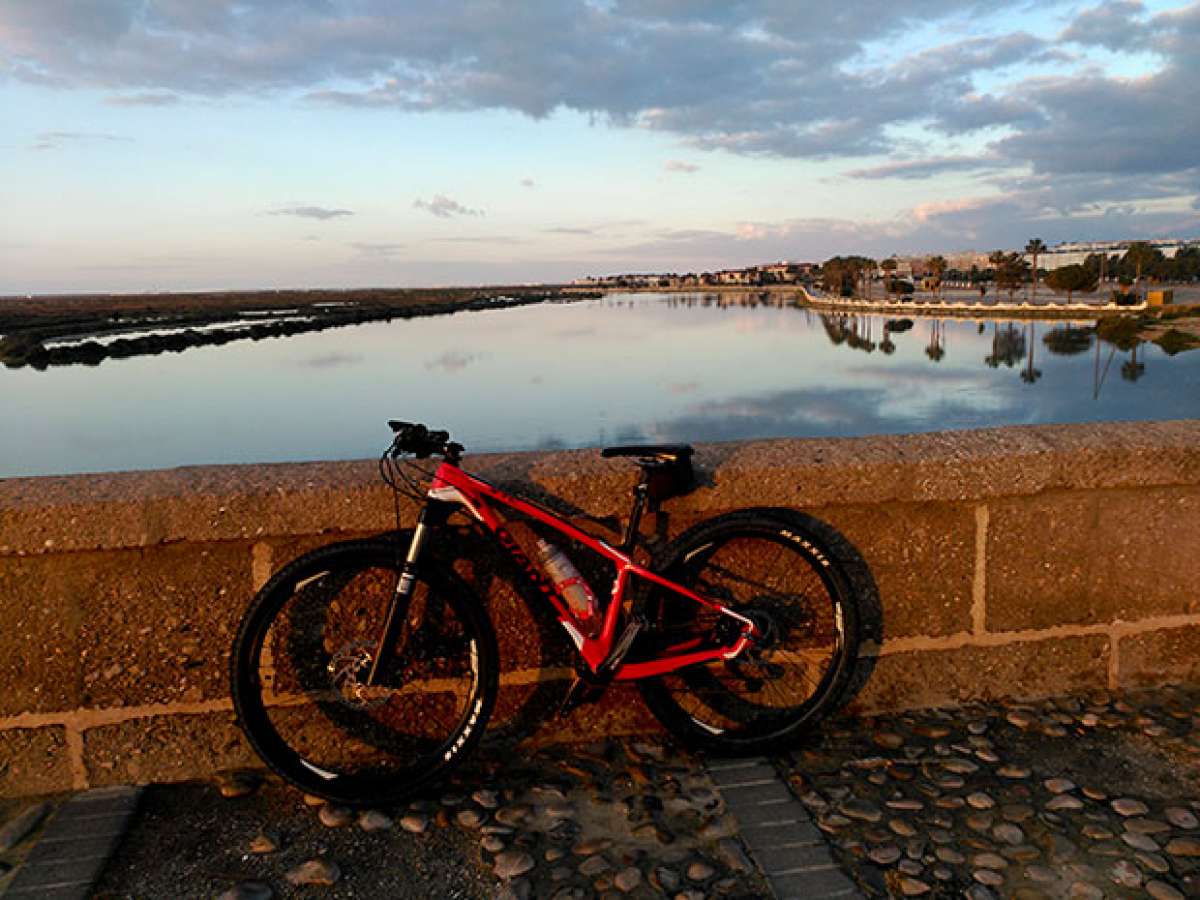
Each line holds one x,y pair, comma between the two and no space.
677,165
570,229
145,98
320,213
481,239
528,183
1113,25
749,77
924,168
374,250
53,140
443,207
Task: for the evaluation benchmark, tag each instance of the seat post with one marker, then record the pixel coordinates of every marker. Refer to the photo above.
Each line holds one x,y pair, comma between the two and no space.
635,516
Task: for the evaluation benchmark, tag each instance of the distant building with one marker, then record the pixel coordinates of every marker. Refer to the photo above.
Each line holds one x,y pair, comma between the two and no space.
1076,252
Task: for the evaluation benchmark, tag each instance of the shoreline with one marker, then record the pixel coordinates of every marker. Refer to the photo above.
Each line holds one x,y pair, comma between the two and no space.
34,335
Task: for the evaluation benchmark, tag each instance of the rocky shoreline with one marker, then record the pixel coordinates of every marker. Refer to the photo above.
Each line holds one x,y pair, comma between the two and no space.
86,331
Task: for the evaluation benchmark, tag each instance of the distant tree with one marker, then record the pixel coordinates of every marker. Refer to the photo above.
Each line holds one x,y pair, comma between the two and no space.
1071,279
1010,272
837,276
1034,248
866,273
1140,256
937,265
889,267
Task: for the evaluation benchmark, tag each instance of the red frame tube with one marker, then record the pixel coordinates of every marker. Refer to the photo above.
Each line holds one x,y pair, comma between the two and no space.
452,484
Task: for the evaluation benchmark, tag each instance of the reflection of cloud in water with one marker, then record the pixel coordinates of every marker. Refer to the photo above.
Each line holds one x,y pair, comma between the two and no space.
331,360
812,412
452,361
574,332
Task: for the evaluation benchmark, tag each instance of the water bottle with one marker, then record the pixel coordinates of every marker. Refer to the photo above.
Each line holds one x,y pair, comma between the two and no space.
571,586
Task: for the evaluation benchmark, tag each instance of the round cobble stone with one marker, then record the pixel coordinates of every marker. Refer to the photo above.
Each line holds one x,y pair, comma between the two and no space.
1128,806
1181,818
314,871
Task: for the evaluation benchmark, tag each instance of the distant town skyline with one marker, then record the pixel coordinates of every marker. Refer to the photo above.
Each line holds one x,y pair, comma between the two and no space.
167,145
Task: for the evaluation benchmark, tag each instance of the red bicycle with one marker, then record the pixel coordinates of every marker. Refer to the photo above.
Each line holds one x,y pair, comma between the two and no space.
363,669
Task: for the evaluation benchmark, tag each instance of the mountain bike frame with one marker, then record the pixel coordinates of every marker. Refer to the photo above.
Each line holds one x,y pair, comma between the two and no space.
453,488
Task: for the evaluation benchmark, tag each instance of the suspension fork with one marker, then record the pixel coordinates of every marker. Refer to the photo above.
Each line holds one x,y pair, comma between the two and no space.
433,514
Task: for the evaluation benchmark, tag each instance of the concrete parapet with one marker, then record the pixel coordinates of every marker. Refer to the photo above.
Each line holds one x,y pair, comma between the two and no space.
1011,562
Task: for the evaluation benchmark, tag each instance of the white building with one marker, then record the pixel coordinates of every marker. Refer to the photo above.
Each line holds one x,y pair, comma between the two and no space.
1075,252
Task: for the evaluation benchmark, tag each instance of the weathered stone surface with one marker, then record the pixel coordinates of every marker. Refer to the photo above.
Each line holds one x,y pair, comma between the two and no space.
149,749
1059,556
1167,654
922,557
39,659
120,628
35,761
1025,668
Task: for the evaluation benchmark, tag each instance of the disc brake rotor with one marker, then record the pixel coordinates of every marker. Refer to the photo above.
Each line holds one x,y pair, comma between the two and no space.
346,668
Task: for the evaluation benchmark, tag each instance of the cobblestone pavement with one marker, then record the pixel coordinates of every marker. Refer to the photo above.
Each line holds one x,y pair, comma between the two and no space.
1070,798
617,819
1079,797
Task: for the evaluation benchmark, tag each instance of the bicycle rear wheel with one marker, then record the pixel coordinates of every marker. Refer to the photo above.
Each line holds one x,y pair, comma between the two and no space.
299,670
808,591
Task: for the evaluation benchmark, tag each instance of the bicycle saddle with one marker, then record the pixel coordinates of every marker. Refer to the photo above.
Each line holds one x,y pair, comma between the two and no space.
667,453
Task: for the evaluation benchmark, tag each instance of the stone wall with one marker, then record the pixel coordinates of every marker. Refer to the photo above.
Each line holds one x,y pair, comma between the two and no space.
1010,562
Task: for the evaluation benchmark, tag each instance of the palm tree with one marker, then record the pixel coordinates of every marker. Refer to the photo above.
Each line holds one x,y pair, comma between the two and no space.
937,265
1141,255
1033,248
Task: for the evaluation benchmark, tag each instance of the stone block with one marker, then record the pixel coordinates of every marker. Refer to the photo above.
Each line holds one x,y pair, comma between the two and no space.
39,659
1167,655
931,678
33,761
1092,557
922,556
155,625
165,748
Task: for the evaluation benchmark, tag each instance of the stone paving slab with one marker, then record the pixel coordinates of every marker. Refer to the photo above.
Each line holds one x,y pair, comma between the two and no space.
75,846
778,832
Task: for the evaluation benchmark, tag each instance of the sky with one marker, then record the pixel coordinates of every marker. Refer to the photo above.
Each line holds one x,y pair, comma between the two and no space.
166,145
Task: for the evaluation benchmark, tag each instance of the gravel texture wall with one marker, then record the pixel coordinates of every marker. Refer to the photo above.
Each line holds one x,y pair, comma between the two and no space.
1011,562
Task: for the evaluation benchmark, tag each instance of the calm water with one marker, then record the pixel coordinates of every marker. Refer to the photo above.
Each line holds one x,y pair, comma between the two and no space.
625,368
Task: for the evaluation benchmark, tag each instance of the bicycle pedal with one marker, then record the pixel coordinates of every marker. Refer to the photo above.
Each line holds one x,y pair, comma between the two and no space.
580,692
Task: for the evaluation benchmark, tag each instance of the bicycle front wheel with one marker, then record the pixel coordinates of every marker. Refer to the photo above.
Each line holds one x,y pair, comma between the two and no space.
806,589
300,665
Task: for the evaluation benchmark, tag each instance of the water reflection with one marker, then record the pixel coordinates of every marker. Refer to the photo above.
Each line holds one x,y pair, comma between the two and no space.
619,369
1013,343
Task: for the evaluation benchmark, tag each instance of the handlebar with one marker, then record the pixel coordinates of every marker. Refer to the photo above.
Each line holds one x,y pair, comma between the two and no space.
412,437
